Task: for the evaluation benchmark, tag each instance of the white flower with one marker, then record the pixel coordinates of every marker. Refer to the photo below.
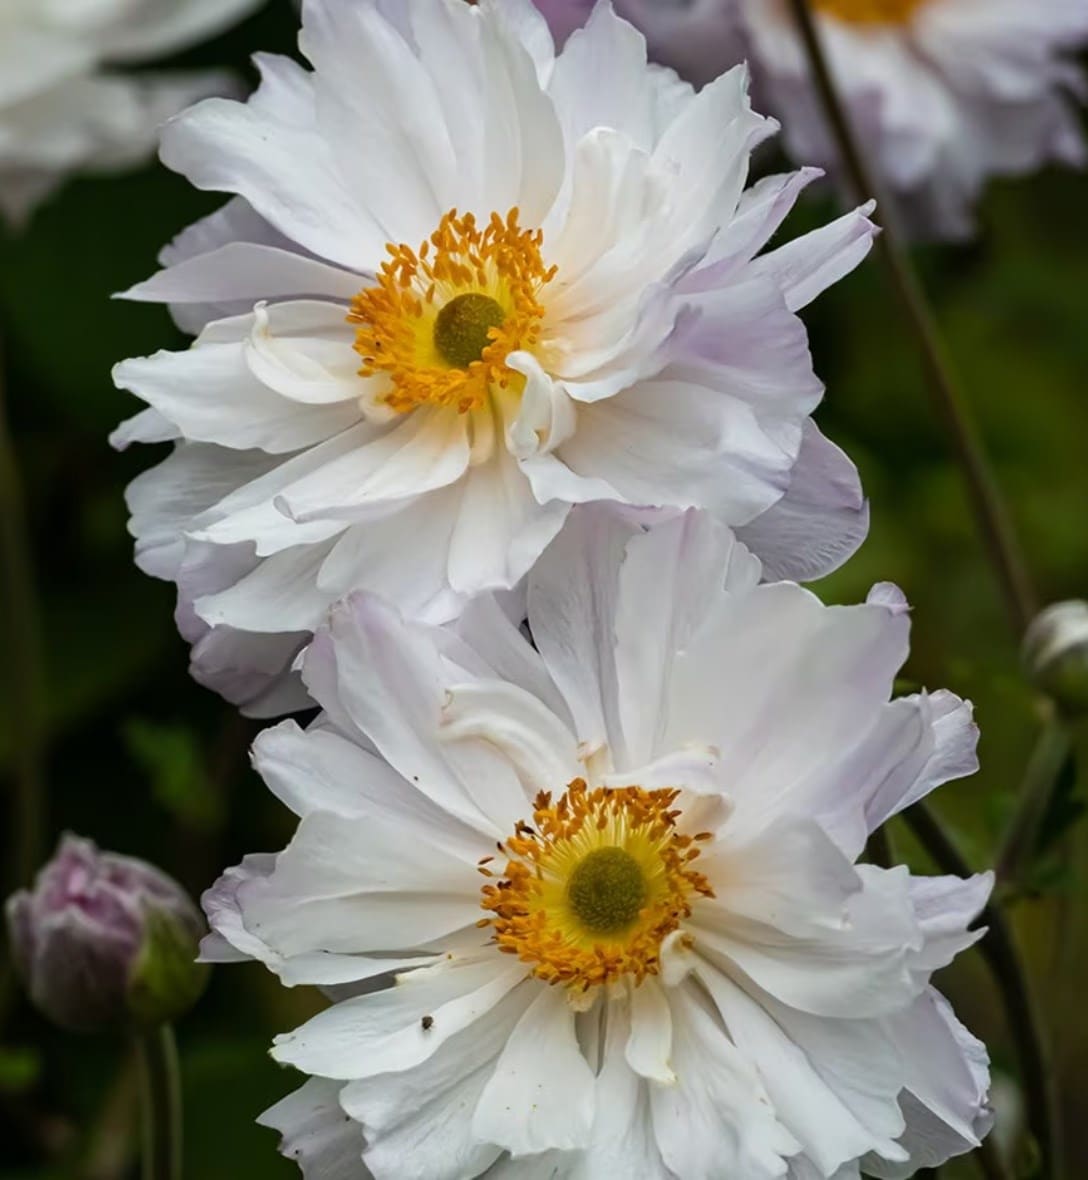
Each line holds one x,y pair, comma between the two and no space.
944,93
573,308
615,875
62,110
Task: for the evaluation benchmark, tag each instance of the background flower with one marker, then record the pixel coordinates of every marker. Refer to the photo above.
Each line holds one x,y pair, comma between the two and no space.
945,93
656,817
63,109
574,307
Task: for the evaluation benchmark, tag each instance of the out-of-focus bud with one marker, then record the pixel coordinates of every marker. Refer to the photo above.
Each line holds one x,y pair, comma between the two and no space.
106,940
1056,655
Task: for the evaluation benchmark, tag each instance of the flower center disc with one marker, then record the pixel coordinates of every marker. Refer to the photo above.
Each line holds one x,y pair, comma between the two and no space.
594,885
462,329
870,12
607,891
440,320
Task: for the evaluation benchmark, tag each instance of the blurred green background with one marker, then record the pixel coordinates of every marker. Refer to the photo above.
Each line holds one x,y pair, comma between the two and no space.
145,762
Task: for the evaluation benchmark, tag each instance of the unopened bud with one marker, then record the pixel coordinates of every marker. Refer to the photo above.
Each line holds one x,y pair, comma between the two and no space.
1056,655
106,940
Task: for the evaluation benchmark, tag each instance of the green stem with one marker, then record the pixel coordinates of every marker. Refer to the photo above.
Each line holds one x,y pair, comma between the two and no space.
1001,955
1040,779
26,679
161,1089
991,513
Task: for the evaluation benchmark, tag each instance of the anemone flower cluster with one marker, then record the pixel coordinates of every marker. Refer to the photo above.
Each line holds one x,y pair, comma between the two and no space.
945,94
495,447
63,106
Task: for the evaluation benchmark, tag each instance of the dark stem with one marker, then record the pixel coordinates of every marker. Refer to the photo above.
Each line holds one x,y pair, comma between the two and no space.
26,676
161,1102
991,514
1040,779
1001,955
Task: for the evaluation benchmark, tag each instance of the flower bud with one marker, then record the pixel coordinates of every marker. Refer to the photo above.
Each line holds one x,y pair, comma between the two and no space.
1056,654
105,940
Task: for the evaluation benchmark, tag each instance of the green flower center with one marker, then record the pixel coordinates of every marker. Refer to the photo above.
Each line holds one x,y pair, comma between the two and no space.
607,891
462,327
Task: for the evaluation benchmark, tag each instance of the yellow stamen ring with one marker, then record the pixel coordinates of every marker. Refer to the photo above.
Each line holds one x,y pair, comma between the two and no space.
594,885
441,320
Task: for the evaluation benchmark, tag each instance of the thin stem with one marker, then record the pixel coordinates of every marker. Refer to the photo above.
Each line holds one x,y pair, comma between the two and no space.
161,1088
991,513
1040,779
26,683
1001,955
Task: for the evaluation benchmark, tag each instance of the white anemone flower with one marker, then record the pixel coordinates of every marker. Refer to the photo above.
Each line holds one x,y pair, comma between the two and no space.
466,283
64,109
944,93
594,900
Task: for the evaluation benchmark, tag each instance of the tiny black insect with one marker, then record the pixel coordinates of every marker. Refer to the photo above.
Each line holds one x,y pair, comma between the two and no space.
427,1022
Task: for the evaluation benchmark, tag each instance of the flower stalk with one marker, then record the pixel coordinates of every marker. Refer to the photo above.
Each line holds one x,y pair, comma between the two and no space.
1025,1024
26,683
990,511
161,1099
1040,779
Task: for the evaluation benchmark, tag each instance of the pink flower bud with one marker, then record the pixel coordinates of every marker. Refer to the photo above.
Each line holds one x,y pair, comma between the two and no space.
105,939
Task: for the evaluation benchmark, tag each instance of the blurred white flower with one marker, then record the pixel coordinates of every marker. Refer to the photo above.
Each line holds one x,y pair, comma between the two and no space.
464,285
615,875
63,109
945,93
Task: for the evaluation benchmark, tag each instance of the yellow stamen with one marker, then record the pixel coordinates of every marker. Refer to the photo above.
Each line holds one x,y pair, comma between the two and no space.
441,320
594,885
870,12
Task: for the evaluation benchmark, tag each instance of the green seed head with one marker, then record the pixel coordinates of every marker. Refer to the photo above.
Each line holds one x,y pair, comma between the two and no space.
462,327
607,891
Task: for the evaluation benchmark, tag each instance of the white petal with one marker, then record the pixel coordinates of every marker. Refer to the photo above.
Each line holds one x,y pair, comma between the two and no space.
317,1134
428,449
541,1094
775,677
862,968
538,743
245,271
807,266
818,1116
384,1032
790,877
210,394
572,608
303,350
649,1046
419,1122
670,578
164,500
361,886
716,1120
821,520
501,529
270,152
389,680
